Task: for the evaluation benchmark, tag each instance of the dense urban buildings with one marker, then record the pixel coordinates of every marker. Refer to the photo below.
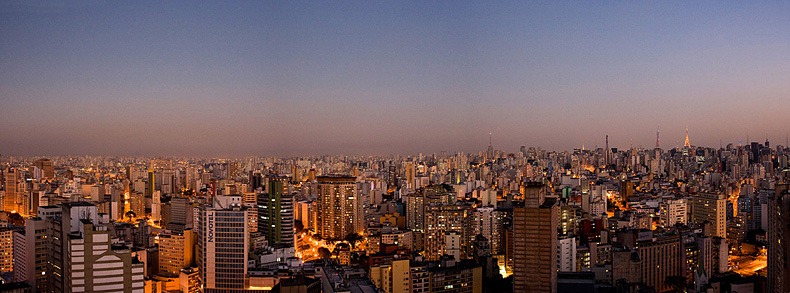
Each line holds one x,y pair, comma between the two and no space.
693,218
394,146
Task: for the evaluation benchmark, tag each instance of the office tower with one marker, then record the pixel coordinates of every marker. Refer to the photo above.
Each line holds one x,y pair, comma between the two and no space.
779,241
179,214
223,245
176,252
711,208
276,213
46,168
150,184
83,258
535,243
339,212
441,219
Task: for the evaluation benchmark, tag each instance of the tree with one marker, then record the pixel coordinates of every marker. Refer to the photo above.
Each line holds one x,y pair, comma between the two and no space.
678,283
352,239
324,253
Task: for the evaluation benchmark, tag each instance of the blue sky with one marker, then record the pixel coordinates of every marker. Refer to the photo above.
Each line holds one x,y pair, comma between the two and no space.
305,78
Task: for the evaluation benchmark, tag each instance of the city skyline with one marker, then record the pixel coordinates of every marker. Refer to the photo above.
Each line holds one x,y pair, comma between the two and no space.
363,78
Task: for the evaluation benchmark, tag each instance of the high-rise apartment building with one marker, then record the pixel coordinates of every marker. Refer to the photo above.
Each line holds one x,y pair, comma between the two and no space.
415,216
176,252
711,208
31,250
339,213
488,221
673,212
11,184
6,249
535,241
441,219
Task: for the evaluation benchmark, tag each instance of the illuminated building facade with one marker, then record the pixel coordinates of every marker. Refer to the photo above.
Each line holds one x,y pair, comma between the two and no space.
535,242
276,213
338,210
223,245
712,208
441,219
175,252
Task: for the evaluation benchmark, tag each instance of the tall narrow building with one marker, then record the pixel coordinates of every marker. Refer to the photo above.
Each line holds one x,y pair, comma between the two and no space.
223,246
11,183
779,240
535,244
276,213
339,211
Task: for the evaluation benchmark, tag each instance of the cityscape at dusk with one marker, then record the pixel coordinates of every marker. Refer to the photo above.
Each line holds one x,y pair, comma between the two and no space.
394,147
365,78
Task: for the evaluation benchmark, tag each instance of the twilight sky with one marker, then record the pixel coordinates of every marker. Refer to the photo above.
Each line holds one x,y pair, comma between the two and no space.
337,77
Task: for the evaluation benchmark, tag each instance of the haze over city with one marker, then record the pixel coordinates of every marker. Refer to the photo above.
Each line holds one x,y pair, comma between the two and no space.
394,147
281,78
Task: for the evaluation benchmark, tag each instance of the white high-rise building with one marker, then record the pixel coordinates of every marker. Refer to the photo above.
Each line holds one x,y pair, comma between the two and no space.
567,254
83,258
674,211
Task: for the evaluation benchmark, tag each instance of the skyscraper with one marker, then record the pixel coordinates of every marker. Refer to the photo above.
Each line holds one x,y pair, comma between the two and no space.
276,213
711,208
441,219
339,212
223,245
779,240
535,246
11,183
